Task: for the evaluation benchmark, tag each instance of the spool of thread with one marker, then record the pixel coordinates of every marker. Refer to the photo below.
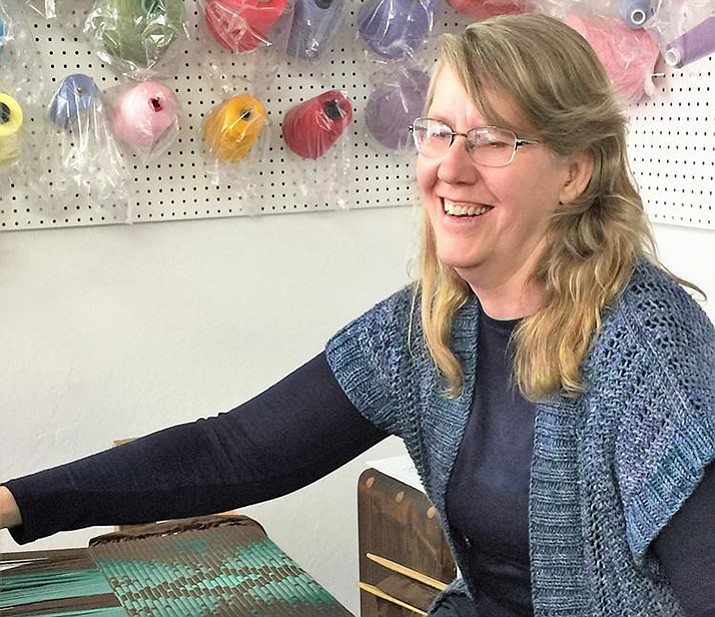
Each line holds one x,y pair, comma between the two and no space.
694,44
232,128
242,25
392,105
311,128
76,96
10,124
143,113
139,31
394,29
635,13
314,24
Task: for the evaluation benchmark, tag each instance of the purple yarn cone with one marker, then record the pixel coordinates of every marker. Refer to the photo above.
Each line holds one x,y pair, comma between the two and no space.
314,25
694,44
395,28
393,105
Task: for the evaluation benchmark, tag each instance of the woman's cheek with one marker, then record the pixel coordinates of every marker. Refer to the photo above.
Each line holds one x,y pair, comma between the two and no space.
426,175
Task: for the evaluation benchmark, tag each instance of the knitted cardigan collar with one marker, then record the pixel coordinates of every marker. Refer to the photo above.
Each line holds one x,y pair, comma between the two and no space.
553,470
609,468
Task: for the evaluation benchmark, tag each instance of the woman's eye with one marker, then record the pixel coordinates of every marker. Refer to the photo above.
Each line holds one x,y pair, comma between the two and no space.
490,144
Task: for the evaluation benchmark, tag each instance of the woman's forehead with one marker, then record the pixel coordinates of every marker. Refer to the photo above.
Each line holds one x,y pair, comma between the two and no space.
451,100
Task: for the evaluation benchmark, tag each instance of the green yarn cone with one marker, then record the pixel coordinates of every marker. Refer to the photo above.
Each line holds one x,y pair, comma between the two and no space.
138,31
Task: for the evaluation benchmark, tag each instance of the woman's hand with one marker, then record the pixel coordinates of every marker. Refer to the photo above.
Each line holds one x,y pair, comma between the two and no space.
9,512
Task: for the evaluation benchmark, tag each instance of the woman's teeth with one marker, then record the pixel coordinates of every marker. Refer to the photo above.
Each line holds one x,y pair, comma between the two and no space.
455,210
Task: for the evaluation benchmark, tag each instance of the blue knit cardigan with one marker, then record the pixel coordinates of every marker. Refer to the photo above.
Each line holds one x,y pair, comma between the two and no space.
609,468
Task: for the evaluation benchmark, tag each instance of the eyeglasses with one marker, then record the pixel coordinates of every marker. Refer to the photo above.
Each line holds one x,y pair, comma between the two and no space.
491,146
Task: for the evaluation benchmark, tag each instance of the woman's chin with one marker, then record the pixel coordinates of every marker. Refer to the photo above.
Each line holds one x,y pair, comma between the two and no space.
457,260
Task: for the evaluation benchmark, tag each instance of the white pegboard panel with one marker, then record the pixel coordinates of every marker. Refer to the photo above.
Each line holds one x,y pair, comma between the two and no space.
179,185
672,146
671,137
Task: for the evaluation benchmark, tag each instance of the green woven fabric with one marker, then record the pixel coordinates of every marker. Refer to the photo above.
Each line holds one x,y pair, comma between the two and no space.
231,569
190,568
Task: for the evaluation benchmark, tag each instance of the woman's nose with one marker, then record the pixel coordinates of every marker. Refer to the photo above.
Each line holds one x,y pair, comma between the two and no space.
456,165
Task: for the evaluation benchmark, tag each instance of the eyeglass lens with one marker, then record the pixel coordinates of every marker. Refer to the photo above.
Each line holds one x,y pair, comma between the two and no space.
490,146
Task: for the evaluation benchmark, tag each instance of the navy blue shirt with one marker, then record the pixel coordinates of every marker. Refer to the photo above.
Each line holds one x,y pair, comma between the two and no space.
488,492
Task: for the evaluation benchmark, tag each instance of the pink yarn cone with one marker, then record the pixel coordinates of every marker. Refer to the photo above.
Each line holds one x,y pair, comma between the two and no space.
143,113
628,55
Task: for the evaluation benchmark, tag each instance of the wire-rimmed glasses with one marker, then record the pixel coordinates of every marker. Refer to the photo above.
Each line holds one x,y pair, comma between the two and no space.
491,146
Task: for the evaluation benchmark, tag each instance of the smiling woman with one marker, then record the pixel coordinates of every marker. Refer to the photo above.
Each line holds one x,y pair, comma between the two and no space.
553,383
562,215
495,249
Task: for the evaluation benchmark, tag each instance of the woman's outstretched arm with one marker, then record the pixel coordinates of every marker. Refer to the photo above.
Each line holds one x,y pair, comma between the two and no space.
294,433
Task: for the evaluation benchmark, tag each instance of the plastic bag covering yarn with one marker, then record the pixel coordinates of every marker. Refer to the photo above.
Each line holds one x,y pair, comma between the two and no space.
394,29
88,152
135,34
21,76
635,13
481,9
46,8
242,25
145,117
11,120
692,45
686,28
393,105
232,128
314,25
628,55
311,128
76,96
23,95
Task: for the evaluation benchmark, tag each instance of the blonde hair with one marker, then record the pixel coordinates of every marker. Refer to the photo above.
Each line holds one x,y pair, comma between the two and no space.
593,242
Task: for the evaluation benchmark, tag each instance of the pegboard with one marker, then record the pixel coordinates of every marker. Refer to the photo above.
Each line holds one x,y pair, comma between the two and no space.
672,147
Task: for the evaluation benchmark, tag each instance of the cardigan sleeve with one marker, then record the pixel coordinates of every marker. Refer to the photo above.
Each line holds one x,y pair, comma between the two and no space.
667,433
367,358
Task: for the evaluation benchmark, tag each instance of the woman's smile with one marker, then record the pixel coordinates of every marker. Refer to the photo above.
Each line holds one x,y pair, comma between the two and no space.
459,209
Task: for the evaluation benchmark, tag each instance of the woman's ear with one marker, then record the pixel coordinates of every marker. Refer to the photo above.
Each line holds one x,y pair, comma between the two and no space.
580,169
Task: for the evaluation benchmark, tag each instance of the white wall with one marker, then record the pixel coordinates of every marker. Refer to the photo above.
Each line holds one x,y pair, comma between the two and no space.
117,331
690,254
